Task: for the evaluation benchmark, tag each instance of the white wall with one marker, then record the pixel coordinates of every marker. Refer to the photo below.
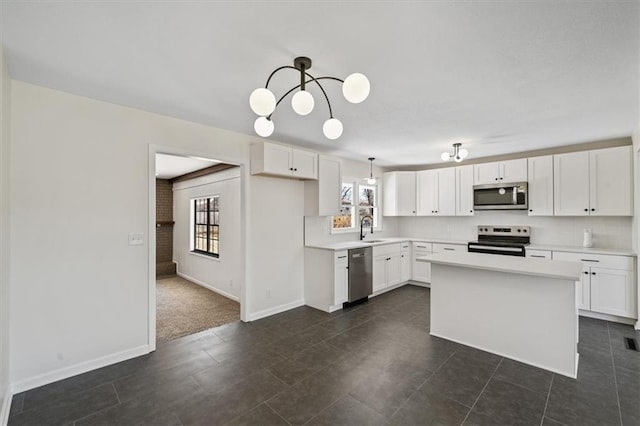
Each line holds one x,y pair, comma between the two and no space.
5,238
222,274
318,229
608,232
80,184
277,257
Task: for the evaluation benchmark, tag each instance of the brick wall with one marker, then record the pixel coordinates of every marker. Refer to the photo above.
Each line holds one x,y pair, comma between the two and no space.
164,233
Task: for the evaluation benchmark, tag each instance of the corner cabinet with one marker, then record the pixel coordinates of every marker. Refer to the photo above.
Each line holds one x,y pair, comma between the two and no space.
540,171
594,183
322,196
283,161
399,194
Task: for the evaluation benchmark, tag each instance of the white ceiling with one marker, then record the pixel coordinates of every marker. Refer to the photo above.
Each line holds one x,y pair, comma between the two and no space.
498,76
170,166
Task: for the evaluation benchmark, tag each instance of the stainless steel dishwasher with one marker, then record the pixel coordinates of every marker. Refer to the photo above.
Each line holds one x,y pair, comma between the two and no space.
360,276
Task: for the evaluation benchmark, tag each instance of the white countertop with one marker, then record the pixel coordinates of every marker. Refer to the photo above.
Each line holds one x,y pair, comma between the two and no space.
556,269
346,245
580,249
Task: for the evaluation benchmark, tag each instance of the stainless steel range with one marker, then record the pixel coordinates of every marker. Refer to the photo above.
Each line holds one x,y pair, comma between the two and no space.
506,240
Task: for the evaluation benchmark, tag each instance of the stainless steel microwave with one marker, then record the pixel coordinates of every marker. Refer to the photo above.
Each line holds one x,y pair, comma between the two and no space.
501,196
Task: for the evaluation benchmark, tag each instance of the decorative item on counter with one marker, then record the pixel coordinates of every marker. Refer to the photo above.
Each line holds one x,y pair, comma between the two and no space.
587,241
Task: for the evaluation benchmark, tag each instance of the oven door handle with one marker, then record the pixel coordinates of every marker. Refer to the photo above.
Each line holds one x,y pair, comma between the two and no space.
496,248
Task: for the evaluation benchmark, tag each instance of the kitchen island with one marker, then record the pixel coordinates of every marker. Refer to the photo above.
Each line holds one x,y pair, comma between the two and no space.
516,307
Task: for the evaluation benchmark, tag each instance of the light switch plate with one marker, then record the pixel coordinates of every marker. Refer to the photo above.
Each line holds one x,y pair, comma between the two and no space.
135,239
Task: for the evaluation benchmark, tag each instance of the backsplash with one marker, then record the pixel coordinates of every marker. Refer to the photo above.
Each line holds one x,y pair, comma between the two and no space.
608,232
317,230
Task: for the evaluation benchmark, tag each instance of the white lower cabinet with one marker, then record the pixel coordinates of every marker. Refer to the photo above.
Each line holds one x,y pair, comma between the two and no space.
607,285
405,262
326,278
340,277
421,270
386,266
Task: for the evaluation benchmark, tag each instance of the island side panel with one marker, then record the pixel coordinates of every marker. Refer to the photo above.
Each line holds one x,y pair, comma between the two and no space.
526,318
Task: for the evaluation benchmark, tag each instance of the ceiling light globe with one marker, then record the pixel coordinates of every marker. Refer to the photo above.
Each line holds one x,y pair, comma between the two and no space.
371,181
463,153
302,102
356,88
262,101
263,127
332,128
457,158
445,156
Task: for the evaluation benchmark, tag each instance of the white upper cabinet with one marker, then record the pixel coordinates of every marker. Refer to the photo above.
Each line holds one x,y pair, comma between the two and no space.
610,183
571,184
399,194
500,172
540,170
322,196
464,191
596,183
436,191
279,160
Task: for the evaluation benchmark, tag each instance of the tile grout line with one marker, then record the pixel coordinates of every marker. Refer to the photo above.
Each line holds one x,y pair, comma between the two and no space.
482,391
422,384
615,378
116,392
544,412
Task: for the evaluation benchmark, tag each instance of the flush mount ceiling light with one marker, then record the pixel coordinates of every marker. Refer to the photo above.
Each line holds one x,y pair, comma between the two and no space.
355,89
458,154
371,180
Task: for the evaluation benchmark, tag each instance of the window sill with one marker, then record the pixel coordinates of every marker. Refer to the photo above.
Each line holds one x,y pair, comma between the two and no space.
204,256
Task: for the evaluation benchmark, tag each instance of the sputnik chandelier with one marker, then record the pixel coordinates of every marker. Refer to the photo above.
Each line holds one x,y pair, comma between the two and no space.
355,89
458,153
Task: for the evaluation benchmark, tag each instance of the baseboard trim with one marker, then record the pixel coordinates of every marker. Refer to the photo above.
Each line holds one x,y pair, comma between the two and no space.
74,370
607,317
276,310
209,287
6,406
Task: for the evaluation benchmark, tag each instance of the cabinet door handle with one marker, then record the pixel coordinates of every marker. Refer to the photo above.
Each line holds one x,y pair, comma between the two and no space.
424,247
589,260
530,210
586,272
341,257
593,210
593,273
586,210
496,178
449,249
537,255
470,211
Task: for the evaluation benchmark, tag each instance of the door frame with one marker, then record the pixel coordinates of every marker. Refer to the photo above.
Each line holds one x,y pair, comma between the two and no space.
244,170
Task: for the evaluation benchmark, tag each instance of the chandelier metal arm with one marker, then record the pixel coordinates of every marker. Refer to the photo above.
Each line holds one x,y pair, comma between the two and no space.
312,79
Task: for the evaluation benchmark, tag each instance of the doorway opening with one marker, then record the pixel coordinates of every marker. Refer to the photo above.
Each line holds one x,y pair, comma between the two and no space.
197,245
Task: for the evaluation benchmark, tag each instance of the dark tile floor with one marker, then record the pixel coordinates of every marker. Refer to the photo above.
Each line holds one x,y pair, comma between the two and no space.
371,364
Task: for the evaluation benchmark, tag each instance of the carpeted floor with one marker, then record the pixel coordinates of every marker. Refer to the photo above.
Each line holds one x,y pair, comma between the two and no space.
185,308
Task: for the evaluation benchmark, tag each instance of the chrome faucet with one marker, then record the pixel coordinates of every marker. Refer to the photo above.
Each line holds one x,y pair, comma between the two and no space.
366,216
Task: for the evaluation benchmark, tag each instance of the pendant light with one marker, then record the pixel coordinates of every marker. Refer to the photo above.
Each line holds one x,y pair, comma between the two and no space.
371,180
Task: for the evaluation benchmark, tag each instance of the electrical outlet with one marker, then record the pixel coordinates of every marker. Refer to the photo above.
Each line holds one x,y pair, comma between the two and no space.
135,239
231,283
268,292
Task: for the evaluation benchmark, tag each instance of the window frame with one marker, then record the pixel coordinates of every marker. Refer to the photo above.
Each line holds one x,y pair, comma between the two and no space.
355,208
211,228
